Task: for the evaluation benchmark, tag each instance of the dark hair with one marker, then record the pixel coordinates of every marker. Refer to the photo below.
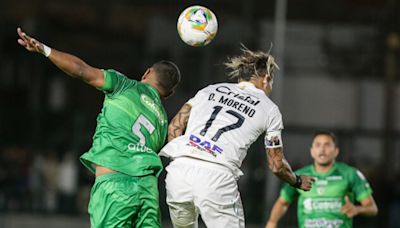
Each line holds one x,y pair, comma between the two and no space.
168,75
327,133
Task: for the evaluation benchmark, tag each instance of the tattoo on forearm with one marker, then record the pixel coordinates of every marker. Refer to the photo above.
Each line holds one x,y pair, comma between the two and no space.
179,122
278,164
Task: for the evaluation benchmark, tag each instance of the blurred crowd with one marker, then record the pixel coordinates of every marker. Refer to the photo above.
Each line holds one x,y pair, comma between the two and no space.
47,181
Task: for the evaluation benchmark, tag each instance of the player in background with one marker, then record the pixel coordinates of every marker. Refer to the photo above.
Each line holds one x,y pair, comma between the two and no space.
131,129
208,140
336,187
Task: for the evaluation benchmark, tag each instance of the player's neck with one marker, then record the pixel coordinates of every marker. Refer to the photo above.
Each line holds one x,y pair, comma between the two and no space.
256,82
323,168
155,86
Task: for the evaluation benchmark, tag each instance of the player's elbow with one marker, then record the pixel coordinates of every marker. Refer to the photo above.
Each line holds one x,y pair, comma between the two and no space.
276,170
374,210
174,131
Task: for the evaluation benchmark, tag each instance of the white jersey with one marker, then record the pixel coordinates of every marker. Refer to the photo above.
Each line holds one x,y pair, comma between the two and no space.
224,121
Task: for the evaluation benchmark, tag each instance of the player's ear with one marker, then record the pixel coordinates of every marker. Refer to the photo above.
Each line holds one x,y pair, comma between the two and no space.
312,151
146,73
170,93
337,151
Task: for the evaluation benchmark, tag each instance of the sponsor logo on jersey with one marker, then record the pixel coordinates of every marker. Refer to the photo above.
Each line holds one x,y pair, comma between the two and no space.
322,223
153,107
334,178
312,205
321,186
321,190
253,100
204,145
321,182
139,148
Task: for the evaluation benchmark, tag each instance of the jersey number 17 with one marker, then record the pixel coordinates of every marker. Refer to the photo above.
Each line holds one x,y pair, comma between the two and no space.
217,110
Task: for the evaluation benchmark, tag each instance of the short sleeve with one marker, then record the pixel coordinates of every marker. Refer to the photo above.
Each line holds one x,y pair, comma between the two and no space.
196,99
114,82
360,186
274,122
288,193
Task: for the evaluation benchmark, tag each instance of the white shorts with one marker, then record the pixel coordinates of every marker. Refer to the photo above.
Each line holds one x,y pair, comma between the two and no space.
200,187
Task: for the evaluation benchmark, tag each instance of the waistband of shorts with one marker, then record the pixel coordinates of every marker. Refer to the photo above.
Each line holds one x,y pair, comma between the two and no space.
112,175
185,160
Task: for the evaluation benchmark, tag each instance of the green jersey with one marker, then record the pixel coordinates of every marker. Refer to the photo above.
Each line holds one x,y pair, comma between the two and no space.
131,128
320,207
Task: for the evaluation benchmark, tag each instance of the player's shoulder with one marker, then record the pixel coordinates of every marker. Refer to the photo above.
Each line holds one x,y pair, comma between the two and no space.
350,171
344,166
221,85
117,74
113,72
346,169
217,87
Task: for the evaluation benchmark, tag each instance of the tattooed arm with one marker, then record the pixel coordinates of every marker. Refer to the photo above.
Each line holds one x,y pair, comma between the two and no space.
179,122
281,168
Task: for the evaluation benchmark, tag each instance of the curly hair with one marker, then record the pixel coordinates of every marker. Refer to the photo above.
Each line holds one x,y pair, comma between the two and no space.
251,64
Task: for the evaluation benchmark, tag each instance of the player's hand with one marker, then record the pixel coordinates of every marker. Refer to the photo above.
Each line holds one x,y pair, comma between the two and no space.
349,208
306,182
271,225
29,43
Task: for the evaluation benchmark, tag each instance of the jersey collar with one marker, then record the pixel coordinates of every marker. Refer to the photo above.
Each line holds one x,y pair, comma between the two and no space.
324,174
153,90
250,85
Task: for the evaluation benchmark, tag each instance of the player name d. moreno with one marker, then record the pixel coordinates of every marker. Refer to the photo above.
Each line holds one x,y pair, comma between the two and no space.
249,99
237,105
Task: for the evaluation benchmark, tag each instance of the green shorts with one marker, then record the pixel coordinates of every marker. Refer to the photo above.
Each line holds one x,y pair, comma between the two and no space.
120,200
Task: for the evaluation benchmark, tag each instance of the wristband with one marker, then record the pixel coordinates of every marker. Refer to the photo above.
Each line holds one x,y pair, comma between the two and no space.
298,182
46,50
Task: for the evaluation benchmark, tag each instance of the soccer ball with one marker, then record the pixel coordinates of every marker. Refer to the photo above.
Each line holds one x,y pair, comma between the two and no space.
197,26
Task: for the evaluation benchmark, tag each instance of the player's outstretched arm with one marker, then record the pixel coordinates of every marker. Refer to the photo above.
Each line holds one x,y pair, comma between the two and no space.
278,210
72,65
281,168
178,124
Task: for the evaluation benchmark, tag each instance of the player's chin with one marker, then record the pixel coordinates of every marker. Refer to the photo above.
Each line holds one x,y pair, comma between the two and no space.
267,91
324,162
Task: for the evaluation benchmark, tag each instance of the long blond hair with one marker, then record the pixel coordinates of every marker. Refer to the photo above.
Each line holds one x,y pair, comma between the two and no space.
251,64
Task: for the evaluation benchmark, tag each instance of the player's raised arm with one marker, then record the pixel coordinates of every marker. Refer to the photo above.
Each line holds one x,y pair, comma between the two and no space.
178,124
70,64
281,168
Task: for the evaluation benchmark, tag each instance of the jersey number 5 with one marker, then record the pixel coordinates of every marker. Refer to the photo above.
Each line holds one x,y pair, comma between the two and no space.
142,121
217,109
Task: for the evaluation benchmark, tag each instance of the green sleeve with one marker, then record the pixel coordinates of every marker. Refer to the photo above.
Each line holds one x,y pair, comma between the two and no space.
114,82
360,186
289,193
